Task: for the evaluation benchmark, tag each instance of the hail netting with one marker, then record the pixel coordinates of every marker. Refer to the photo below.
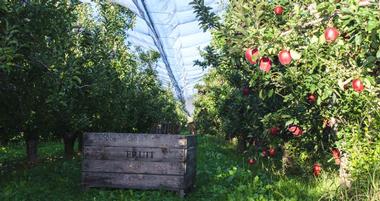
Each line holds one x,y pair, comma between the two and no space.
171,27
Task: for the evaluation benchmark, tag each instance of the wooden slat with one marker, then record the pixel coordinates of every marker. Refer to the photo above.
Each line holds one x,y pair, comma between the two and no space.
135,167
190,167
191,141
134,140
134,153
136,181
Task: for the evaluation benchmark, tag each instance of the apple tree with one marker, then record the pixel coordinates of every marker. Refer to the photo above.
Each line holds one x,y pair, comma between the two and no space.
304,79
64,71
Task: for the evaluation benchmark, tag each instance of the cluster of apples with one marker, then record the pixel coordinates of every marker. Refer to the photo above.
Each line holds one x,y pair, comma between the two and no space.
284,56
252,55
265,63
317,168
294,129
271,152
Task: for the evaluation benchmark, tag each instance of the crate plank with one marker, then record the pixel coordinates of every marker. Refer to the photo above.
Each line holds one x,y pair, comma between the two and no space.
190,168
135,140
135,167
135,181
134,153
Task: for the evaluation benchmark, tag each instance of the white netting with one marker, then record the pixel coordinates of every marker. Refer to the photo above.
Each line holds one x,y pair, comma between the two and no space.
171,27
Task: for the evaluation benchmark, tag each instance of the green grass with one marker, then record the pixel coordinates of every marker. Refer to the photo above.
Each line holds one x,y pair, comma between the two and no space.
222,174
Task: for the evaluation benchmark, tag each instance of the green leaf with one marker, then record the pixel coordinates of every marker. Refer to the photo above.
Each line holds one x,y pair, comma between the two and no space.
341,84
322,38
319,101
270,93
314,39
295,55
372,24
289,122
367,82
77,79
358,39
261,95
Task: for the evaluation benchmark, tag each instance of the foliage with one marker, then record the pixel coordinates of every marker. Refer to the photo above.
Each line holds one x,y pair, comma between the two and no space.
340,116
207,18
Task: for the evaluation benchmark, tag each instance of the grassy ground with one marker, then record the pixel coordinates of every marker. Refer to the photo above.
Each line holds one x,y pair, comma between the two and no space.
221,175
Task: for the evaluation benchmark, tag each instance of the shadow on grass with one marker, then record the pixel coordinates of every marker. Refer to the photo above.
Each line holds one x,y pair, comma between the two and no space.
222,174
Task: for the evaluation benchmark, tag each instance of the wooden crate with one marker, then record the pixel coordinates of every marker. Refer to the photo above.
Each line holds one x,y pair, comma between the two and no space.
139,161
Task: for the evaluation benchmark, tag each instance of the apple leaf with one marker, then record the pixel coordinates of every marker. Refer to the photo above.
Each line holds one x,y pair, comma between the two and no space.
358,39
367,82
371,25
322,38
270,93
341,84
77,79
314,39
290,122
261,95
295,55
319,101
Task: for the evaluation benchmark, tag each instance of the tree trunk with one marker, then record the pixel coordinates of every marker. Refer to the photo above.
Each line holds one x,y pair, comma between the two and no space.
241,146
80,142
69,140
344,175
31,148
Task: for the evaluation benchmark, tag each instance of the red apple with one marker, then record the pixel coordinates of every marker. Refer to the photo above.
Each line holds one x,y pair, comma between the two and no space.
264,153
278,10
245,91
251,161
274,131
272,152
357,85
335,152
284,57
311,98
252,55
331,34
295,130
317,169
265,64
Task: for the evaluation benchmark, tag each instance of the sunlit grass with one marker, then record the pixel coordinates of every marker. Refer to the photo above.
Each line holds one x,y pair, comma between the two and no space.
222,174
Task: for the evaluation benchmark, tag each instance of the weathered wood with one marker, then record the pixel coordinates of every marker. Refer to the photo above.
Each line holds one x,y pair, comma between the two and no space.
134,181
134,167
190,167
191,141
141,161
135,140
134,153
